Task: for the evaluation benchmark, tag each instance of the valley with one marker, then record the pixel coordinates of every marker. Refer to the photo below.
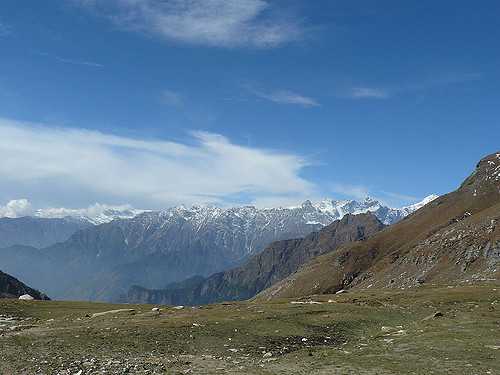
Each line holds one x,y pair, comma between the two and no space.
249,187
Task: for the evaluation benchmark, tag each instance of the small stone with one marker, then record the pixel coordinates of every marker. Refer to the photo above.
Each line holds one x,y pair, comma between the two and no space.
437,314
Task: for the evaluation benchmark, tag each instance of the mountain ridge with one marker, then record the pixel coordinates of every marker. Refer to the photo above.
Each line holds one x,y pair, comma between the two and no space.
10,287
453,239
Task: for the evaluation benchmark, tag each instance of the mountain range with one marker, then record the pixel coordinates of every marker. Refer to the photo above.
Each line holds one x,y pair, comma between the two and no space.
279,260
156,248
451,238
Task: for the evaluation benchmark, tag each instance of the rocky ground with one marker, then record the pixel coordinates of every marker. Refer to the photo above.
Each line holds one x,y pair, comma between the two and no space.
426,330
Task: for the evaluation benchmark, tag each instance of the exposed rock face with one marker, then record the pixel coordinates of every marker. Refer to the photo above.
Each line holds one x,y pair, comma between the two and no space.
37,232
10,287
454,238
276,262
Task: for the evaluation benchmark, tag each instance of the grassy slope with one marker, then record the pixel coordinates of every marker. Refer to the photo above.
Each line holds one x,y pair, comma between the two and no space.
343,337
373,260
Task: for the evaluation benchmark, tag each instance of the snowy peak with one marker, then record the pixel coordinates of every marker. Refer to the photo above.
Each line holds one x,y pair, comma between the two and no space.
339,208
95,214
247,219
420,204
320,213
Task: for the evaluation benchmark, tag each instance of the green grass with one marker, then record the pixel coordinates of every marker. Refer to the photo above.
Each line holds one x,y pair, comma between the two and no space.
343,337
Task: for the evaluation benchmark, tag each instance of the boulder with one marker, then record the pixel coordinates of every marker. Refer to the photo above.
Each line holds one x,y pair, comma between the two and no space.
26,297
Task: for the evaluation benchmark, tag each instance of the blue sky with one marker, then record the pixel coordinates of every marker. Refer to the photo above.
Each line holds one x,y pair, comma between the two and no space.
154,103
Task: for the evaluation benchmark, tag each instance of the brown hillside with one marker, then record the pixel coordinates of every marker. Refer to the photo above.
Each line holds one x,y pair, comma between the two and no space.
452,239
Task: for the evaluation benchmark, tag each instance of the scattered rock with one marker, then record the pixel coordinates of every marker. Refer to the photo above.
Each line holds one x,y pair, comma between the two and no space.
494,347
26,297
437,314
305,303
131,311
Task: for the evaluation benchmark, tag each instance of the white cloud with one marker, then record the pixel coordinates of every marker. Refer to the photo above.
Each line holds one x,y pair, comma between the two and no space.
368,93
353,191
220,23
146,173
424,84
360,192
400,197
16,208
286,97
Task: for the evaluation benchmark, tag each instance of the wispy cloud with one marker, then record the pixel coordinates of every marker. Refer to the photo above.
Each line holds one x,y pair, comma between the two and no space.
146,173
360,192
388,91
439,81
284,97
368,93
171,98
219,23
352,191
398,196
65,60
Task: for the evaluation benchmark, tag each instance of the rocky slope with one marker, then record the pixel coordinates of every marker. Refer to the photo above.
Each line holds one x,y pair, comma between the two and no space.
453,239
276,262
10,287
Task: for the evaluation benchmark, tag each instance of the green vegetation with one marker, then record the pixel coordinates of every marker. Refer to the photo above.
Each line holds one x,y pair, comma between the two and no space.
362,332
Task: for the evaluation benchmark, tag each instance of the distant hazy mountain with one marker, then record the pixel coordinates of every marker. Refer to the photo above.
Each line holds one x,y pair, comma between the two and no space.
46,227
154,249
96,214
277,261
37,232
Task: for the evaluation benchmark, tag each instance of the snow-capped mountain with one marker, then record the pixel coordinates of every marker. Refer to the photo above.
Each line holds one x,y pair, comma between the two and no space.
155,248
337,209
245,230
95,214
314,213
